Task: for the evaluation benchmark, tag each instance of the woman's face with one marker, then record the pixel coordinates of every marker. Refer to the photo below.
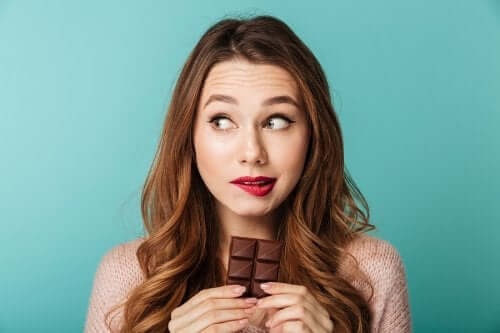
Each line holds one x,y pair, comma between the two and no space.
250,137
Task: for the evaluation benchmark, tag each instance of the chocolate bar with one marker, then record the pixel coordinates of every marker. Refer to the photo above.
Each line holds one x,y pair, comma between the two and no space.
253,261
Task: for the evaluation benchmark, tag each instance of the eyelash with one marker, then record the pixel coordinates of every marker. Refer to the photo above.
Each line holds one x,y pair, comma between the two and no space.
276,115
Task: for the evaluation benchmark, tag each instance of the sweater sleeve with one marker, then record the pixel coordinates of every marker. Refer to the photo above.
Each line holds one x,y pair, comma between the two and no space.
394,311
384,267
117,273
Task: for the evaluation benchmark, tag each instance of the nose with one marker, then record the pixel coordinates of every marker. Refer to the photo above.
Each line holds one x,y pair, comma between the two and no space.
252,150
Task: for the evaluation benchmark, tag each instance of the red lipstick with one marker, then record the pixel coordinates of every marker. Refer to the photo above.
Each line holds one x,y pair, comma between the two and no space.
258,186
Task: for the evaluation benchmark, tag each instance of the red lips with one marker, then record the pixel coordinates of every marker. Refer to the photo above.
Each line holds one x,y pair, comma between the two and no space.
258,190
252,179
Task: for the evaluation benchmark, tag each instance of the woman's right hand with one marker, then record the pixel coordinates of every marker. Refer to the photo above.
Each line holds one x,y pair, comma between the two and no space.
213,310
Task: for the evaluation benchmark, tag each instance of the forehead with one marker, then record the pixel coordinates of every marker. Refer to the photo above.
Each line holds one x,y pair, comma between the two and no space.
237,75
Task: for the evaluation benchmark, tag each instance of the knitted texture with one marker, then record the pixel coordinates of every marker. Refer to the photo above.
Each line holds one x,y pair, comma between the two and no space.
118,273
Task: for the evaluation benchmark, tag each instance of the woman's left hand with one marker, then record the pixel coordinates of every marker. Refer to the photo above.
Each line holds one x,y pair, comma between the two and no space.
299,311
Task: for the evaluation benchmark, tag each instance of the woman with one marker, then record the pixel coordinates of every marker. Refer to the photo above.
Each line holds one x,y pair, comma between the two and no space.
251,101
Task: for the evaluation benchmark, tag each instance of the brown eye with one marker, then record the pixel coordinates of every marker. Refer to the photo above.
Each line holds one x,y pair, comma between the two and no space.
279,121
218,119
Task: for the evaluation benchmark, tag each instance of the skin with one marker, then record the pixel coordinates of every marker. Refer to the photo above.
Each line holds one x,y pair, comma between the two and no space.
249,143
250,139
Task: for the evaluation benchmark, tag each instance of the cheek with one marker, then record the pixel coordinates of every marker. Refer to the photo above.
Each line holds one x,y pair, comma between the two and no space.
211,154
289,154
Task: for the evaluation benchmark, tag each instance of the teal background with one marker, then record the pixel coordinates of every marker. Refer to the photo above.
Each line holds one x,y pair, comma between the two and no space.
84,87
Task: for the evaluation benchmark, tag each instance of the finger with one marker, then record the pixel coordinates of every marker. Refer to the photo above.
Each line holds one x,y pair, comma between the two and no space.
215,317
211,304
295,326
287,300
298,312
283,301
287,288
229,326
228,291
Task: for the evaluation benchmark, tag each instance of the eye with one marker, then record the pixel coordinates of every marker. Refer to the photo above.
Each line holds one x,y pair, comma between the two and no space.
219,118
280,121
276,120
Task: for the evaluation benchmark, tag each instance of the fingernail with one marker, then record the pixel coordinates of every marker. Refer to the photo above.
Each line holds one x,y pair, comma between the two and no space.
268,323
265,285
238,290
243,321
251,300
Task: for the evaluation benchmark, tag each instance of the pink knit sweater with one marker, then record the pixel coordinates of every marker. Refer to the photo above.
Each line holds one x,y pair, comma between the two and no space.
119,272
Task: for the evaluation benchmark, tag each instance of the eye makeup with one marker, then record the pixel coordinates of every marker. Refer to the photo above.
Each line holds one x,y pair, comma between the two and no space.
274,115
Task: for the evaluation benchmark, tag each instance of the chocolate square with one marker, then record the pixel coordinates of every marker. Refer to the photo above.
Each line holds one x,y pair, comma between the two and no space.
253,261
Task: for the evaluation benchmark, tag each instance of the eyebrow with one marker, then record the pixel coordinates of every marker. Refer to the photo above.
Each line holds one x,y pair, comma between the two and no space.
270,101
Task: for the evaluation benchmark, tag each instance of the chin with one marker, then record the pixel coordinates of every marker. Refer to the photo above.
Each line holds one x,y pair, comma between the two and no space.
249,213
254,211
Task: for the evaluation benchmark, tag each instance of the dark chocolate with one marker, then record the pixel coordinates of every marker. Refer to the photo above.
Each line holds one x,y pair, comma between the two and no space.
253,261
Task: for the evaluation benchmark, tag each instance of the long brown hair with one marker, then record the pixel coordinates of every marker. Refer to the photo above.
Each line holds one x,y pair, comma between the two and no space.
320,217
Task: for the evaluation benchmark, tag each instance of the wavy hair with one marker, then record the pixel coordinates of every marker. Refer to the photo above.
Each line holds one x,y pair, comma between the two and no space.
179,257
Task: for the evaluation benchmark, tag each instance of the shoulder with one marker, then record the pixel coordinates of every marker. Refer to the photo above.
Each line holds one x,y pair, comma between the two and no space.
382,264
376,256
117,273
120,264
123,251
379,260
